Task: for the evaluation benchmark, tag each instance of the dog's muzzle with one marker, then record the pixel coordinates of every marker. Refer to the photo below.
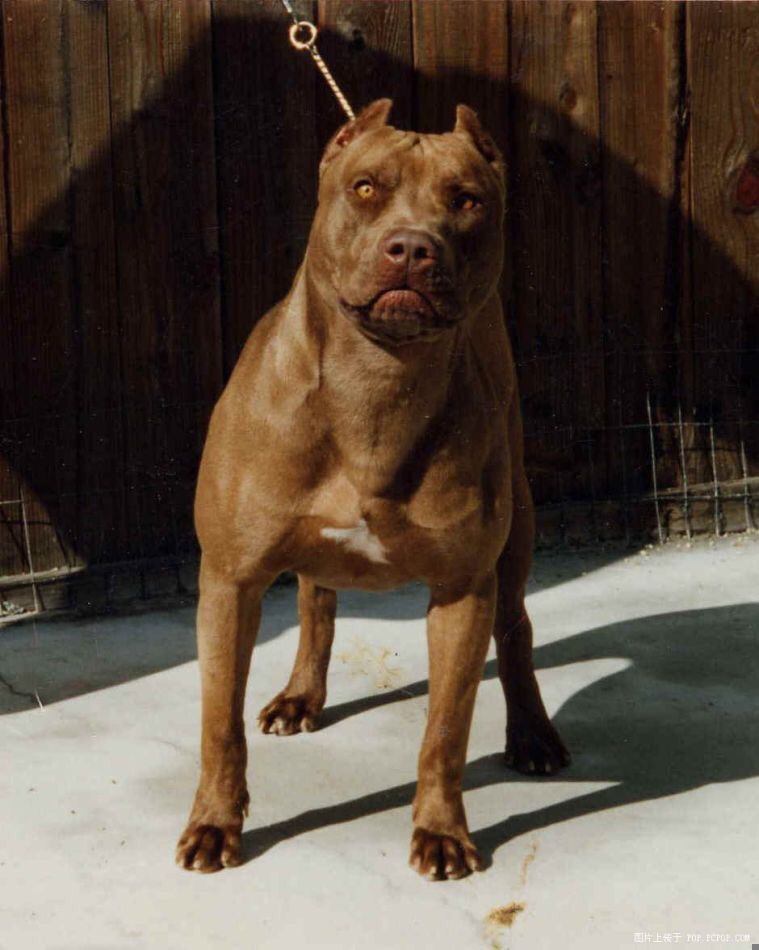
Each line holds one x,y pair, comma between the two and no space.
400,315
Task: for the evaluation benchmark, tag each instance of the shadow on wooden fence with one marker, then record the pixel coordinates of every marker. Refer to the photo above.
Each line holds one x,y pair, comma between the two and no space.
164,209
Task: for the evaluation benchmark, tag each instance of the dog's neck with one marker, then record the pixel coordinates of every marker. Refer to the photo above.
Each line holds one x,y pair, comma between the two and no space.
378,401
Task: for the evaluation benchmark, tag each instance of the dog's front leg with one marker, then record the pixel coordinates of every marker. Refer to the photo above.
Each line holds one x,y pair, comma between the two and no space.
458,630
228,617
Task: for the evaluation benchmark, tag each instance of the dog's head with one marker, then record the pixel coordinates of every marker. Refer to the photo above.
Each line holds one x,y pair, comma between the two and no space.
407,241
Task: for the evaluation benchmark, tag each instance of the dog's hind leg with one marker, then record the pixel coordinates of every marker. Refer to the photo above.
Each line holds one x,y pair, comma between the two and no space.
297,707
532,743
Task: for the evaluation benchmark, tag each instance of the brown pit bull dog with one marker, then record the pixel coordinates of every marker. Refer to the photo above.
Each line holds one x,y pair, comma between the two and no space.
370,436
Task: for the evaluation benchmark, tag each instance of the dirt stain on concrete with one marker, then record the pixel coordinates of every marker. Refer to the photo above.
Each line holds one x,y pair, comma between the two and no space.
527,861
499,919
374,662
506,915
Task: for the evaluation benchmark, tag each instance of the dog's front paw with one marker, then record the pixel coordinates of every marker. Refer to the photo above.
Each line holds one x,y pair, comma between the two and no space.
443,857
534,747
208,848
286,715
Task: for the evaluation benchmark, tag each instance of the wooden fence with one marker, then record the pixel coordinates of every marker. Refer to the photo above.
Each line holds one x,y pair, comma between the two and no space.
158,173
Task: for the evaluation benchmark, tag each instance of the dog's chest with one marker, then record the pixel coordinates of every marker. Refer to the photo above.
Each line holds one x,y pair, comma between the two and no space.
348,538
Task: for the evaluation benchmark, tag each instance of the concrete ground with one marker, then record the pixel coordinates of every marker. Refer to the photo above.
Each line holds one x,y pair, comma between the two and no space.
649,663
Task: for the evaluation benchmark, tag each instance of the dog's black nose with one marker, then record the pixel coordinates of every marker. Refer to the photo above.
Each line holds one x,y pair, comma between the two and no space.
408,247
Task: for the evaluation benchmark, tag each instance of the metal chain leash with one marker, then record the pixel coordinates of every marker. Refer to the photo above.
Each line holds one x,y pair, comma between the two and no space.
303,36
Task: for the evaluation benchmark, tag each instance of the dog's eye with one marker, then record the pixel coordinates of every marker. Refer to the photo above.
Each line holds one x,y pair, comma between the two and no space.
466,201
364,188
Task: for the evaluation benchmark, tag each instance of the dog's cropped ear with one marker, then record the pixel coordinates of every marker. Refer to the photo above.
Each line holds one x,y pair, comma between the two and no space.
374,116
468,123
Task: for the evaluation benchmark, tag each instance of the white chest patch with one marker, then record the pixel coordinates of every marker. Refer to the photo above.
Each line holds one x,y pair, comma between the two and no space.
360,540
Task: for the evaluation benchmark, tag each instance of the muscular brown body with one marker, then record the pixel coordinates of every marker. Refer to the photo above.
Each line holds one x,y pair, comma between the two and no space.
369,436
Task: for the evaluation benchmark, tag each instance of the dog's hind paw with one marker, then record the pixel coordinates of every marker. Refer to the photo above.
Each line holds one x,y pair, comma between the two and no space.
535,748
288,715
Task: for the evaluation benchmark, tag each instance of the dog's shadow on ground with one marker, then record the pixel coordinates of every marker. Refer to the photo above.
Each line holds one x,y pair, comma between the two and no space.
681,715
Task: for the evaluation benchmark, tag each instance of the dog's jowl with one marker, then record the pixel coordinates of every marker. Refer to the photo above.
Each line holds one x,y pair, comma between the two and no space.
370,435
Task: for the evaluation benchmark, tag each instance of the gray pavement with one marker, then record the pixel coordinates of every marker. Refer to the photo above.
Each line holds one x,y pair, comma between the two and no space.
649,663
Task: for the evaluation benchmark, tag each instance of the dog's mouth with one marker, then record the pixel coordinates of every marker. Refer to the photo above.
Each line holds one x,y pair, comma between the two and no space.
399,315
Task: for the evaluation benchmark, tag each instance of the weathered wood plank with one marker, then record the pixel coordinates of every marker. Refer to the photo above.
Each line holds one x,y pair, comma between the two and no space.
12,559
368,46
723,75
267,172
167,253
101,516
45,352
641,98
556,239
461,53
